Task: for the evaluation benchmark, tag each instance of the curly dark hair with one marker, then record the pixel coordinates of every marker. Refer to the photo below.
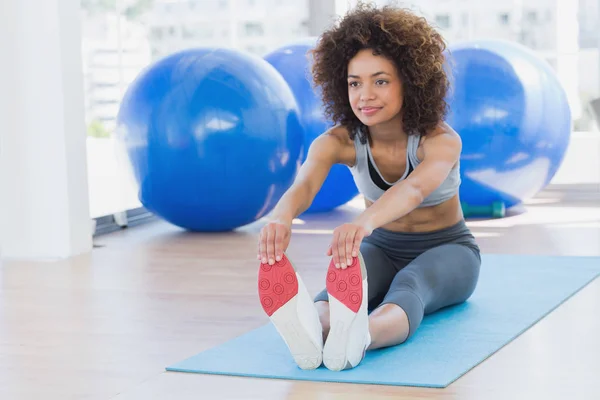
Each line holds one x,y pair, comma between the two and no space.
404,38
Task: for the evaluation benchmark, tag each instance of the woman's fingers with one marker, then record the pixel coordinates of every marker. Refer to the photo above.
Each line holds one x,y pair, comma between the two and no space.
281,235
273,241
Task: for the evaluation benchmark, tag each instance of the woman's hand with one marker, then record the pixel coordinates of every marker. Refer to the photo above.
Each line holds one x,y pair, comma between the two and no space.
346,243
273,241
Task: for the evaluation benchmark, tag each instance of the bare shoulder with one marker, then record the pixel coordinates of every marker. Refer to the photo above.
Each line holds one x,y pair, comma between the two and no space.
442,138
443,131
340,134
337,141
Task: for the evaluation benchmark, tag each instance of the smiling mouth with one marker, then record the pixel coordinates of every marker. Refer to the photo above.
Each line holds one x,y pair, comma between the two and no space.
369,110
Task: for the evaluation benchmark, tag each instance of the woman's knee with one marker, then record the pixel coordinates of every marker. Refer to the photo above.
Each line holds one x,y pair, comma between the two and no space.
450,275
470,274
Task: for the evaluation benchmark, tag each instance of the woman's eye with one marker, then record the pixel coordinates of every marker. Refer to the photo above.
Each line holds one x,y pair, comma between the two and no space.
381,82
353,84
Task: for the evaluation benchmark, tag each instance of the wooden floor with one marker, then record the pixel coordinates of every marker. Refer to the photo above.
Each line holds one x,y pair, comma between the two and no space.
105,325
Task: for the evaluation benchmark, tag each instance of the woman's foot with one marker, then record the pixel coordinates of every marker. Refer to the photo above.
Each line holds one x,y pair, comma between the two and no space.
348,336
286,301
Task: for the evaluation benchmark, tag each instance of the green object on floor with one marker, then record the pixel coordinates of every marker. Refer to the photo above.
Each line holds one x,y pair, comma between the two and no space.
495,210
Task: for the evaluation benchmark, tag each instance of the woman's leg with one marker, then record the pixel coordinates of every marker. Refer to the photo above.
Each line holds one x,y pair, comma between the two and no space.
388,326
440,277
380,273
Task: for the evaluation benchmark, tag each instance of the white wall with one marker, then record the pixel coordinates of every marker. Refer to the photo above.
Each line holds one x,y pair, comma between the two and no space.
581,164
44,211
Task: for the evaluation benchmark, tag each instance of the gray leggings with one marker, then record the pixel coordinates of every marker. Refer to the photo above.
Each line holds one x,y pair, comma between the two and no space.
420,272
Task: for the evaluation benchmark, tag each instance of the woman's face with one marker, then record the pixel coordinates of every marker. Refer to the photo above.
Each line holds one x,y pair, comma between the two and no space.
374,88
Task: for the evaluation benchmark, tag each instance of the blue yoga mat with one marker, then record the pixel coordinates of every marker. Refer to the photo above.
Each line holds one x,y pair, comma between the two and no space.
514,292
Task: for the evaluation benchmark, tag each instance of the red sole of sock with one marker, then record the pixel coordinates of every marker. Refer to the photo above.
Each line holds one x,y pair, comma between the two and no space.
277,284
346,284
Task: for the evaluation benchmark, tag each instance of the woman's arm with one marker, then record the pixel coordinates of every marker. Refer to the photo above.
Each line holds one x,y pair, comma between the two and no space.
323,154
325,151
441,152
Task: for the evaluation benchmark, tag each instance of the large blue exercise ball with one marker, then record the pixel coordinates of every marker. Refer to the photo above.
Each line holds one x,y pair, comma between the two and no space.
293,63
213,136
513,116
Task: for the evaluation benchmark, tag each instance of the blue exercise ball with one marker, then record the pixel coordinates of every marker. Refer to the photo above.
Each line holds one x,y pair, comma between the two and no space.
293,63
514,119
213,137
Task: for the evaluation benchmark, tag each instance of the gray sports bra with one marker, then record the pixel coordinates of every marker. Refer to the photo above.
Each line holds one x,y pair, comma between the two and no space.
372,185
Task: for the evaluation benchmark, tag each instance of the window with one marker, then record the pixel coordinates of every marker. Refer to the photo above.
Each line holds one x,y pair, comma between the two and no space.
443,21
532,16
253,29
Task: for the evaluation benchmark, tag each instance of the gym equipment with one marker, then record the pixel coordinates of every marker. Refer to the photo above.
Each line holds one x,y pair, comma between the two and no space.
495,210
514,119
213,137
448,343
292,62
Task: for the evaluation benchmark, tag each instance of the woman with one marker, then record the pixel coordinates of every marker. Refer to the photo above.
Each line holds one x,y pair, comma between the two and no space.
410,252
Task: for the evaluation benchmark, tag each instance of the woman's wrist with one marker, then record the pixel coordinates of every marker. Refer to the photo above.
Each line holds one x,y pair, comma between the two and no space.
281,219
366,222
